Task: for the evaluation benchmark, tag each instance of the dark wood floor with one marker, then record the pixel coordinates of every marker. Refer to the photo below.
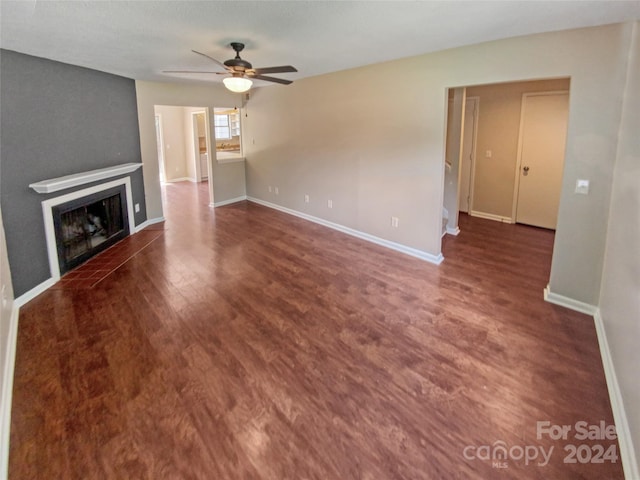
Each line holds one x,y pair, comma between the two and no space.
245,343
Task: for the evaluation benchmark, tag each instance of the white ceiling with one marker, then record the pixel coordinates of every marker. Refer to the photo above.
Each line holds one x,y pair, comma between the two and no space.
140,39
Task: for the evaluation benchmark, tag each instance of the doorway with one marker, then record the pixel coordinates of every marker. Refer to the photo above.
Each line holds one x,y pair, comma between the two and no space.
467,156
200,145
510,119
182,135
541,149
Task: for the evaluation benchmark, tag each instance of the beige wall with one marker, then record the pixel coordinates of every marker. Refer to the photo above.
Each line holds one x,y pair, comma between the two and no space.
173,134
620,297
384,154
192,155
228,179
376,146
498,130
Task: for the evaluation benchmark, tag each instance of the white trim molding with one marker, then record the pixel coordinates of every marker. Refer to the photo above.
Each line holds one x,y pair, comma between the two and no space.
49,229
180,179
568,302
61,183
7,390
625,441
490,216
34,292
453,231
414,252
230,201
149,222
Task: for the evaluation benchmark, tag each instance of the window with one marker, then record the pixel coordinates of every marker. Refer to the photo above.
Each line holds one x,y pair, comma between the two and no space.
222,127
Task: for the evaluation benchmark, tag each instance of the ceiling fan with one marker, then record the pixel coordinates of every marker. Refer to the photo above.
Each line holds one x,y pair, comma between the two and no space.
242,71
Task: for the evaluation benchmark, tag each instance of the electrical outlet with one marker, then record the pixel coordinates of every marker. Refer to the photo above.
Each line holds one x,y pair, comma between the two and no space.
330,203
137,207
277,191
488,154
395,222
270,188
306,199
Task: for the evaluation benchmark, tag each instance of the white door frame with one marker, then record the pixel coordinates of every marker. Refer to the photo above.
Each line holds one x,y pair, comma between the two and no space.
474,142
196,147
196,142
160,146
516,183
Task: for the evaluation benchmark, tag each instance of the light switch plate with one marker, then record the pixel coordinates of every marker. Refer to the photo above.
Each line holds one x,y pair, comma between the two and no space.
582,186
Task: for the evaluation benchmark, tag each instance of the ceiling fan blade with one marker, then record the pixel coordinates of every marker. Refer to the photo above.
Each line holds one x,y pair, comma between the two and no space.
282,69
212,59
272,79
190,71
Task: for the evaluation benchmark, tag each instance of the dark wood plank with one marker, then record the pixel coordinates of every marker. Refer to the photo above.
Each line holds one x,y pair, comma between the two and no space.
248,344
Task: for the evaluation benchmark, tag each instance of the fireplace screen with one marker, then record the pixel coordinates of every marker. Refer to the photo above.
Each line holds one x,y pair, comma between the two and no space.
86,226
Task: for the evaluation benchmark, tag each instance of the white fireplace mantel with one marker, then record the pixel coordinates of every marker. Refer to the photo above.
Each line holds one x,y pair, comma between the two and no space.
82,178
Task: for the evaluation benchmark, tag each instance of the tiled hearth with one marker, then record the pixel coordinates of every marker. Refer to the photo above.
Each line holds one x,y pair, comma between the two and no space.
96,269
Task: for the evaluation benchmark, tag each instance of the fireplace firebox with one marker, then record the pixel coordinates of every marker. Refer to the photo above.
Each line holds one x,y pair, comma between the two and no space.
88,225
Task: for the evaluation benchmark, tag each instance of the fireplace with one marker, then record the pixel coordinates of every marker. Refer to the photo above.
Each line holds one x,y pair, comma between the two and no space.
88,225
84,222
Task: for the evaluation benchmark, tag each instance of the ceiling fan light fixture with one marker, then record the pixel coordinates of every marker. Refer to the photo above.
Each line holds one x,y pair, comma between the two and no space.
237,84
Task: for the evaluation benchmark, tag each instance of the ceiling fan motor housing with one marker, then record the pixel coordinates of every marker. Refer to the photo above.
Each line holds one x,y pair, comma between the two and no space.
238,63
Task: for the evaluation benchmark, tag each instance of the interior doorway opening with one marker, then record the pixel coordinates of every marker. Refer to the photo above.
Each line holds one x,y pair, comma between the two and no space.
193,142
184,140
505,149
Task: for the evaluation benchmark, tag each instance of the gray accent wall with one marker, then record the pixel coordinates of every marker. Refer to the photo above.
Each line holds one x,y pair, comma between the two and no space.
57,119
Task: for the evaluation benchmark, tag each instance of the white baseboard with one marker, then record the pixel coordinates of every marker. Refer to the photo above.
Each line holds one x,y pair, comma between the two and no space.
7,391
230,201
414,252
569,303
627,452
453,231
180,179
146,223
625,441
491,216
34,292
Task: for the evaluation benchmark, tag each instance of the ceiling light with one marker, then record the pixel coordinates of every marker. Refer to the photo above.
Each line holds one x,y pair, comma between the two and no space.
237,84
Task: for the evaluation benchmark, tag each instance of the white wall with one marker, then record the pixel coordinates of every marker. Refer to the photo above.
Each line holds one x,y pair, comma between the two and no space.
228,179
620,297
376,146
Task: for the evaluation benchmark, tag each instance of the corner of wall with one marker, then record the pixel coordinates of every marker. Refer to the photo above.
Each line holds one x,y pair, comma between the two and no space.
9,310
8,368
625,437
